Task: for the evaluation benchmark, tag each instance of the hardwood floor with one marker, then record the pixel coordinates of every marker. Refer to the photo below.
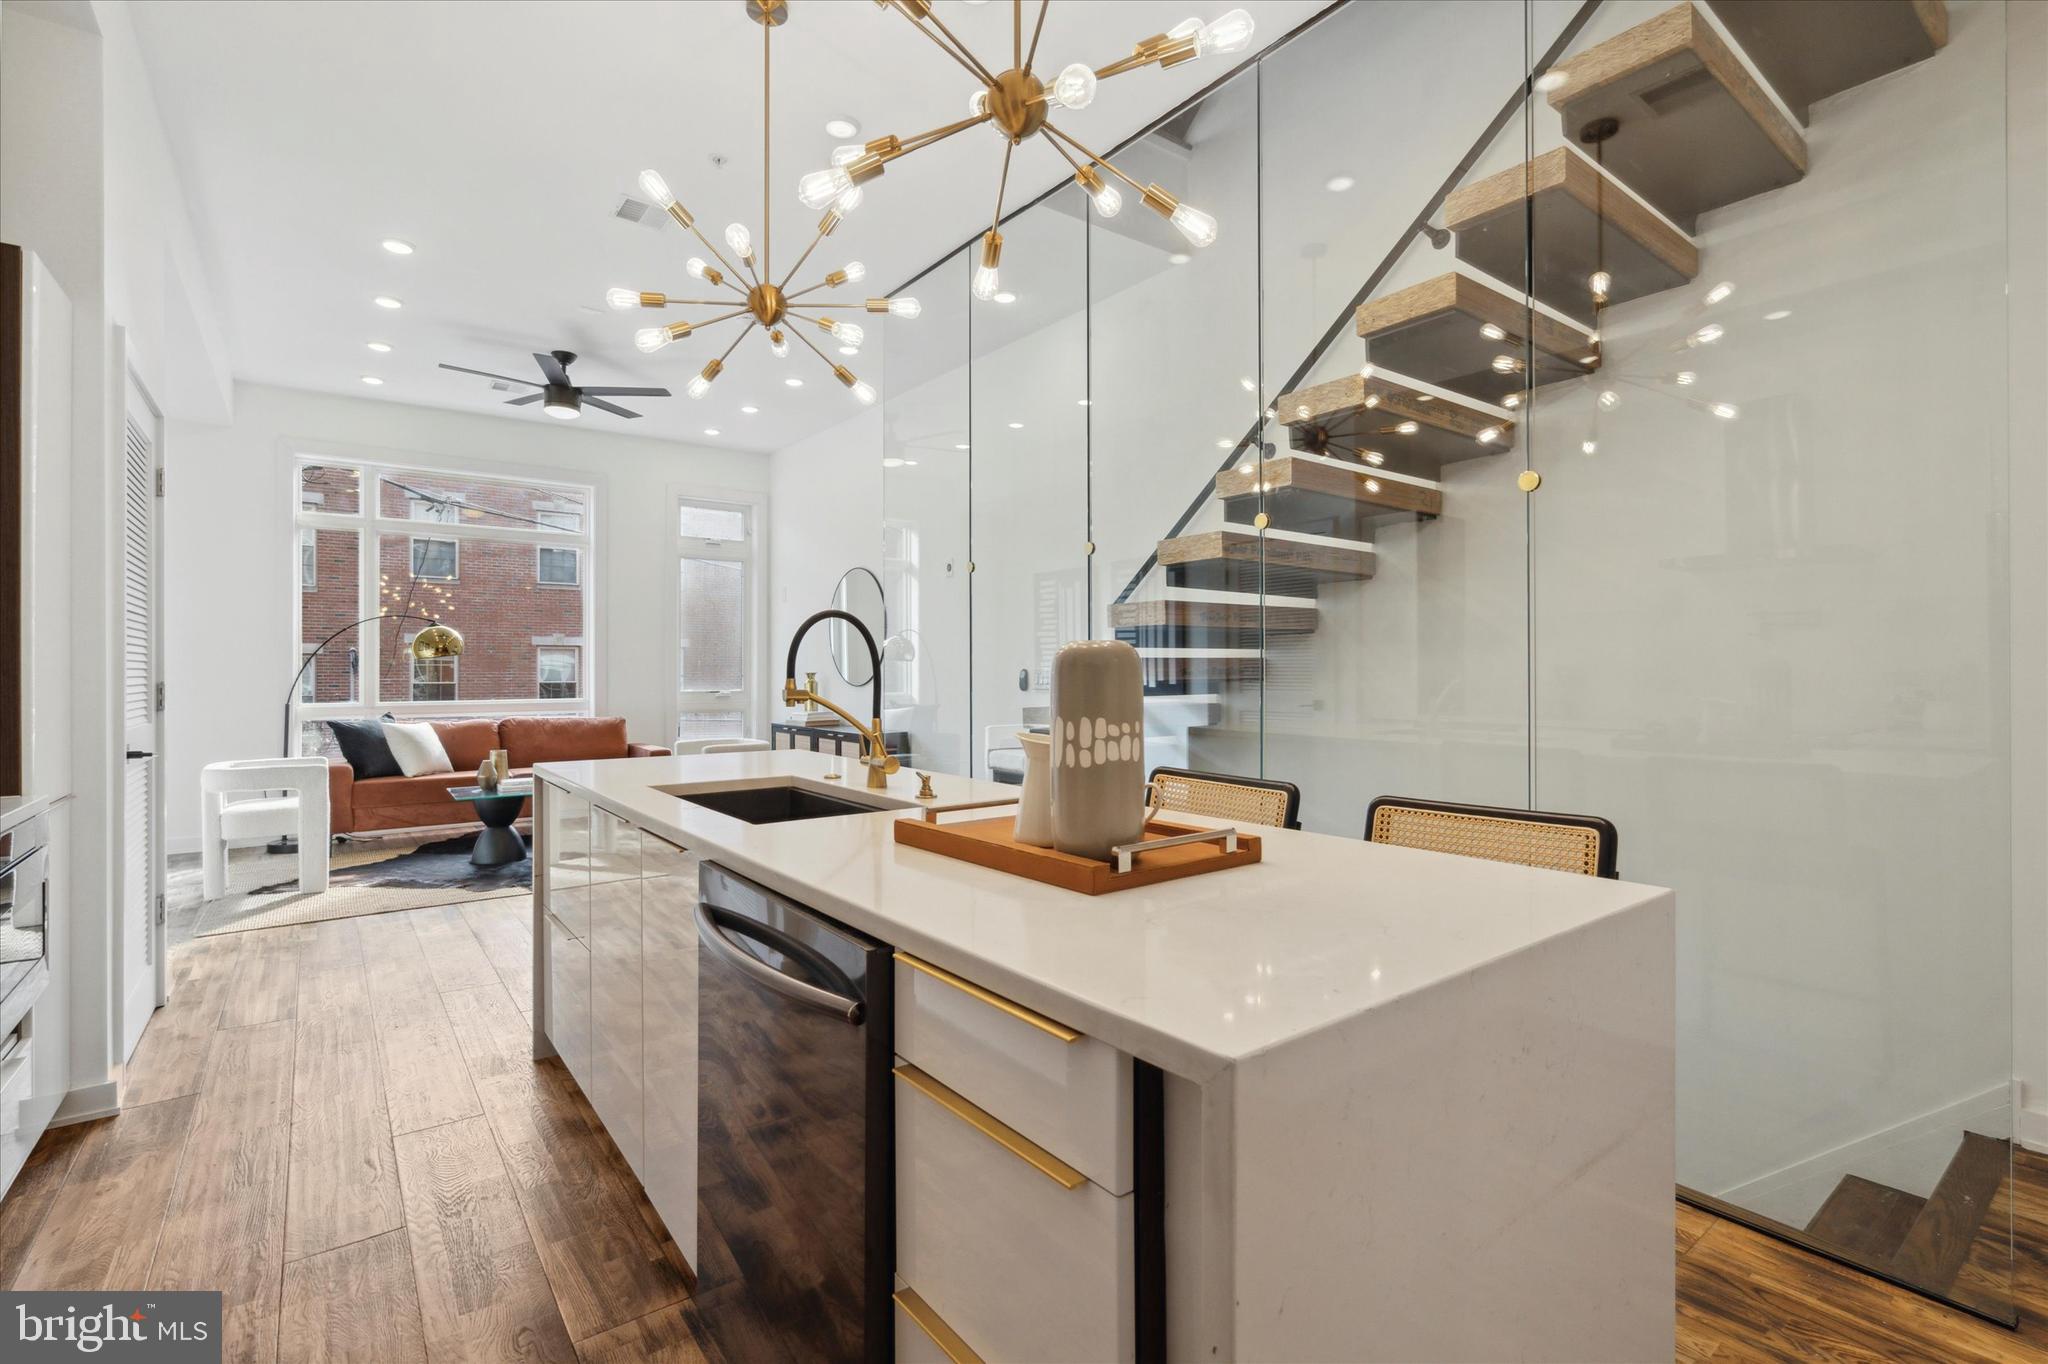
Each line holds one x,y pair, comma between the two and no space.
339,1126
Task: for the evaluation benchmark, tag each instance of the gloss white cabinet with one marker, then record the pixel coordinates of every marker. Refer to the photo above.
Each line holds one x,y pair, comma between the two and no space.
615,1088
668,937
568,1003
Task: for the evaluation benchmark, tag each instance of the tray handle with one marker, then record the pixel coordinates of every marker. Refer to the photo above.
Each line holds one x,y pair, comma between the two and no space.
931,813
1124,854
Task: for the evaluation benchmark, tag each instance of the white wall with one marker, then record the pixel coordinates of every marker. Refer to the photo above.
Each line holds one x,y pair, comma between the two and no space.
230,580
825,516
87,184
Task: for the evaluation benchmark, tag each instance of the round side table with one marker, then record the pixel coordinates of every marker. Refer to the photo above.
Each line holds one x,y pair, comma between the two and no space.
499,843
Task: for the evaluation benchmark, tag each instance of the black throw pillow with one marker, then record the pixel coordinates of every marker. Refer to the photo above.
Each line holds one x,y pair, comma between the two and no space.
367,751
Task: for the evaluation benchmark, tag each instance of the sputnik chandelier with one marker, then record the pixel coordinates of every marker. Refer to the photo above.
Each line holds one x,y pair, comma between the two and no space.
768,305
1019,105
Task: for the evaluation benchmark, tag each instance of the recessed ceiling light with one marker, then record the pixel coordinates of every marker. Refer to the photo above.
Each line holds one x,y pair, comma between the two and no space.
1551,80
397,247
1016,426
1224,443
1005,296
1337,184
1179,258
793,383
387,301
1082,402
959,447
841,127
1778,316
710,430
372,380
750,410
892,463
849,350
381,347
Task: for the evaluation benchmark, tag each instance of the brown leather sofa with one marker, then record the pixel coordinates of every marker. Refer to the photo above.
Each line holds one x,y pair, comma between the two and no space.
384,803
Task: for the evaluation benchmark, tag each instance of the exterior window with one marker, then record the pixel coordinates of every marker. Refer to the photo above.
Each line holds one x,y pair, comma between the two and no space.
560,673
446,511
435,559
558,518
433,679
560,566
306,683
718,619
309,561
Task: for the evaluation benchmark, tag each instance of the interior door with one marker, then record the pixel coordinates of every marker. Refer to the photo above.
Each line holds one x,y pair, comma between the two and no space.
144,981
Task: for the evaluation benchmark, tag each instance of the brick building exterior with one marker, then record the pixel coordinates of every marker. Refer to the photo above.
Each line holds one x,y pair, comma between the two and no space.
519,606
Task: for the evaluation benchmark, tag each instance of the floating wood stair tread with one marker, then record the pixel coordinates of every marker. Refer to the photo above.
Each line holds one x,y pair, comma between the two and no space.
1442,332
1231,561
1583,222
1199,668
1205,623
1695,130
1817,48
1368,412
1322,499
1938,1242
1866,1218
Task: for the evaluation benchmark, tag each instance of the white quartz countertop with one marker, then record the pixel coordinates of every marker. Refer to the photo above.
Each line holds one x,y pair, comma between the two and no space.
1189,975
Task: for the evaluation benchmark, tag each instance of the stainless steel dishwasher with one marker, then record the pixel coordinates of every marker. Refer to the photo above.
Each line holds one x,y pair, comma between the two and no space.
795,1122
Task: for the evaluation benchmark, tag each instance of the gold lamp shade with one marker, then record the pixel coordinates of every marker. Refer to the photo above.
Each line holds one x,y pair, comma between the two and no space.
436,641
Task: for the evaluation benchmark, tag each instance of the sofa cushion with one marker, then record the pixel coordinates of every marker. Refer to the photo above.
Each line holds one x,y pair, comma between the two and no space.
363,745
530,739
386,792
468,742
417,748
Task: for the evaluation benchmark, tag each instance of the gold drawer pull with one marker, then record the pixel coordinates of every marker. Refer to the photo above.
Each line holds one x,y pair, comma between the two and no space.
996,1130
933,1325
990,998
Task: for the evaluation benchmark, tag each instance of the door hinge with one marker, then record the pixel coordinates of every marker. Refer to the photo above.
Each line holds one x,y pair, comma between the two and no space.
159,697
159,480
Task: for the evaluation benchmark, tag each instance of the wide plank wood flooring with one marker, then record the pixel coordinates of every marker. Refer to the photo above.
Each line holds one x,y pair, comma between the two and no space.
339,1126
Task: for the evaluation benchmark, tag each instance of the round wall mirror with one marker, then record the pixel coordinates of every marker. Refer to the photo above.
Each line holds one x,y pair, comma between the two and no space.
859,594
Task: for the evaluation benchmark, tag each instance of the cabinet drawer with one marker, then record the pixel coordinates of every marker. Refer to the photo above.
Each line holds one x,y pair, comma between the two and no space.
568,1006
15,1137
566,876
924,1337
668,903
1022,1263
1069,1093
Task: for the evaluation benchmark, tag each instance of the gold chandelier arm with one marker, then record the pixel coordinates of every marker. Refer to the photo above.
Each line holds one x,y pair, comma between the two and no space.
1016,32
1036,29
697,302
954,49
767,122
938,134
1101,161
730,273
737,339
813,348
722,317
1003,185
1053,143
784,285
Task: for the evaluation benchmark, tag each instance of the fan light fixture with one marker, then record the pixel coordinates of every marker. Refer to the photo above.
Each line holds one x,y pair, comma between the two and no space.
1019,104
768,305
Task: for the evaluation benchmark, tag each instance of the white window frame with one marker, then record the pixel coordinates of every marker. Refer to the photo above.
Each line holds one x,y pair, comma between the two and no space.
412,674
413,557
752,553
539,581
433,511
308,681
574,488
543,510
575,652
309,563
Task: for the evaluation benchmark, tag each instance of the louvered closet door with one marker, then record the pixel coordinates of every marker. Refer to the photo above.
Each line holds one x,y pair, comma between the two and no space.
141,954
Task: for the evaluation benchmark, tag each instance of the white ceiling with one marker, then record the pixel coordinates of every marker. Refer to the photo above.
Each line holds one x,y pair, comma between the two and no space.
499,138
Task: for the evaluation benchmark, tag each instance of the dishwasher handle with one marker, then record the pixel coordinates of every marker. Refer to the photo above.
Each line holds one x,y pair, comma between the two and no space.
713,936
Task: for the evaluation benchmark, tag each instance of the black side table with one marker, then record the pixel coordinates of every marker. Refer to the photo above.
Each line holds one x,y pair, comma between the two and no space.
499,843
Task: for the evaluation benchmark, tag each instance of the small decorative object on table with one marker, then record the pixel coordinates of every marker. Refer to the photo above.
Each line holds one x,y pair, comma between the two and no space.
924,787
1098,747
1034,807
498,761
487,776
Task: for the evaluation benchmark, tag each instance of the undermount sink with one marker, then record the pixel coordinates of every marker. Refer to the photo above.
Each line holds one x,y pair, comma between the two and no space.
775,804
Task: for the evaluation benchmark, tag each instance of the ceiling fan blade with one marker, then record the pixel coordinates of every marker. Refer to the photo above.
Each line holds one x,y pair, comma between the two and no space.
628,392
552,369
463,369
601,404
529,398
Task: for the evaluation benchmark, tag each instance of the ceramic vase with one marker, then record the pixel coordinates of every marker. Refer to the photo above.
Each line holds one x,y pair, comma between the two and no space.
498,761
1098,747
487,775
1034,807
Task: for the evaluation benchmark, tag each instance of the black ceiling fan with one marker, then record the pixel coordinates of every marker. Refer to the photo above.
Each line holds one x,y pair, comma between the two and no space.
559,397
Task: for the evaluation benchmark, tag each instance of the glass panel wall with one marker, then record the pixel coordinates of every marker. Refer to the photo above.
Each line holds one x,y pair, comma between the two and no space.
1632,447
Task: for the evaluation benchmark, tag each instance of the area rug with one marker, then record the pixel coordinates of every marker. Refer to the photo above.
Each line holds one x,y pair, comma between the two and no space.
363,878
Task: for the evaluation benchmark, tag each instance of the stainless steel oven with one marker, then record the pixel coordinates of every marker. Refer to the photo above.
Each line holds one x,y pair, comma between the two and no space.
795,1152
24,902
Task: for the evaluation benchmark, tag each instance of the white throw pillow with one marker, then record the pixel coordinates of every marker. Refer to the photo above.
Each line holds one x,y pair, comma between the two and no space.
417,748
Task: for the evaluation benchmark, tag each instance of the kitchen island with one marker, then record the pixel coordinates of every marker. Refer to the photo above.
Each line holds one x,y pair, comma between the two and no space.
1408,1106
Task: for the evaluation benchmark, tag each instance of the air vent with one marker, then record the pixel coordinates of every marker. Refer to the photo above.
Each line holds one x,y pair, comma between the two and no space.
636,211
500,386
